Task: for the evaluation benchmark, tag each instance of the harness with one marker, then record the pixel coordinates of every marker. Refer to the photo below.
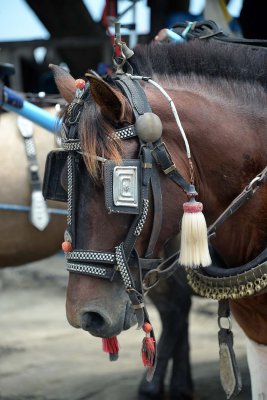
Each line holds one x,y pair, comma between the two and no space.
39,212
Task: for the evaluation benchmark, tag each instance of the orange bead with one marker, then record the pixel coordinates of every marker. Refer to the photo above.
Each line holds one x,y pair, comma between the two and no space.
79,83
66,247
147,327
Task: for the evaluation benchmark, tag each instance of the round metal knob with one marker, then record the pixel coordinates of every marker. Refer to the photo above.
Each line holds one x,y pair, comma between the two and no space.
148,127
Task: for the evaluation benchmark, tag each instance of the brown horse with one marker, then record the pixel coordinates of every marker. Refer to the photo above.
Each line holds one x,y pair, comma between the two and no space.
220,96
21,242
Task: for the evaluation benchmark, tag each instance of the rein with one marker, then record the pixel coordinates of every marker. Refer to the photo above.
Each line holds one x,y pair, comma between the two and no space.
223,282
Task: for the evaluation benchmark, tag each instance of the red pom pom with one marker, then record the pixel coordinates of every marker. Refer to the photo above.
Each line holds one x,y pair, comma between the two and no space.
66,247
79,83
147,327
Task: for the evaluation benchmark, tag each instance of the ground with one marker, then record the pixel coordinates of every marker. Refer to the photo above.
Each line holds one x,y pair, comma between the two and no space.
43,358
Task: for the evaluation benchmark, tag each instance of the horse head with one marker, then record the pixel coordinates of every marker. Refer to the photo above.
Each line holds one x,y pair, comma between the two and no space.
122,208
97,305
221,120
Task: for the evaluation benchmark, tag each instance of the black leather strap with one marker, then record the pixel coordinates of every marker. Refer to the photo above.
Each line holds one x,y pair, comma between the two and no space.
242,198
209,30
229,371
134,93
157,212
163,158
145,180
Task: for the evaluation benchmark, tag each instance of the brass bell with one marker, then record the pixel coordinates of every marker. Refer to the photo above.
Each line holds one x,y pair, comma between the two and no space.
148,127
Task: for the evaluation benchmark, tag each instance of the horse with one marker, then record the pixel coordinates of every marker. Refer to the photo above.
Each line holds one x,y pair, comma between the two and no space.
21,241
220,94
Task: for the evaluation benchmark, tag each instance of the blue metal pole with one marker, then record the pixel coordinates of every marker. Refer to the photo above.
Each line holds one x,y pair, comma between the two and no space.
14,102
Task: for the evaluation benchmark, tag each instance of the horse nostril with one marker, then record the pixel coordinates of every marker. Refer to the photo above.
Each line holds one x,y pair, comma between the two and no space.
92,321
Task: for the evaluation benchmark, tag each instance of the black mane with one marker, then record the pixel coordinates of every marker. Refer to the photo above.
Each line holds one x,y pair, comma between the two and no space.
204,58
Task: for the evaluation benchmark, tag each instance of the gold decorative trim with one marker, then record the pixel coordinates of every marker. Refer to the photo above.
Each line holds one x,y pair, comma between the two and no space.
231,287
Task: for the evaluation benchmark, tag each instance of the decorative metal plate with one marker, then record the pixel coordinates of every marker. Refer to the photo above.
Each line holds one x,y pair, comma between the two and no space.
122,186
125,186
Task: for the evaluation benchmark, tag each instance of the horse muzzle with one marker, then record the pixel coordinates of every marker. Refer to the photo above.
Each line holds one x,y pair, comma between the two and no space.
101,323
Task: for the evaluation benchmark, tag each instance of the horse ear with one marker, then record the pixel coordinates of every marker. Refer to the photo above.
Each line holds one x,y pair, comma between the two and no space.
106,97
65,82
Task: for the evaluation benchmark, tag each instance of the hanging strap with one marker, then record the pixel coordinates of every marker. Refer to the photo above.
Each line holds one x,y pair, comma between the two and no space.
229,372
39,215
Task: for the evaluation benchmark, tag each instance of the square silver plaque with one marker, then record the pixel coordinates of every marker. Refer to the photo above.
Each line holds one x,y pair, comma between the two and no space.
125,186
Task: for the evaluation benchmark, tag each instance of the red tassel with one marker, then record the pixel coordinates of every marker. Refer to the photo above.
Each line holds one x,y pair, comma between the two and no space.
111,346
148,347
148,351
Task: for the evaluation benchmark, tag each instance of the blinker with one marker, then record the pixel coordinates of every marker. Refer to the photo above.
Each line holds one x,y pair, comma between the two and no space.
52,188
148,127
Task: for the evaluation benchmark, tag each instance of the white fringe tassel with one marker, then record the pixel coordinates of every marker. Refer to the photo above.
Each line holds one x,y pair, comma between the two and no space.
194,241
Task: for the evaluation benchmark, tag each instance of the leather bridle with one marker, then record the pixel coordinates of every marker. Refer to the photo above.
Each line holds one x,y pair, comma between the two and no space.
153,157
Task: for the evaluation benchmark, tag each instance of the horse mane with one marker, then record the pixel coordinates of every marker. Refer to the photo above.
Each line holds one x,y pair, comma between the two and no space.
203,58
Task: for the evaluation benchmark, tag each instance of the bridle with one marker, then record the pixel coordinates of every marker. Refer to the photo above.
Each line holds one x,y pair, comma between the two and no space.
127,190
128,186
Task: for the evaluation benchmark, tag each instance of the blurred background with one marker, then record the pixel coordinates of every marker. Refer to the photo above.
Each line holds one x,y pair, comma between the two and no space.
41,356
78,34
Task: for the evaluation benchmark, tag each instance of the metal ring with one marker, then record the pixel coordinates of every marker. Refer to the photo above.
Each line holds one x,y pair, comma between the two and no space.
149,277
250,185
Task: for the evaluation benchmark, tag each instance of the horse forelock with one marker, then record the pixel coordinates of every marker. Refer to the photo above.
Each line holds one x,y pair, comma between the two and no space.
97,135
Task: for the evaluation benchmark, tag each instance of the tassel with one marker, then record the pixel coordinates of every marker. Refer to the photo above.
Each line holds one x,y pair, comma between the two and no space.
111,346
194,239
148,347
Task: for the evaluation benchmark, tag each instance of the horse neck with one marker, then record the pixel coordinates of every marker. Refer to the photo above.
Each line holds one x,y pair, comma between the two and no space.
228,151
